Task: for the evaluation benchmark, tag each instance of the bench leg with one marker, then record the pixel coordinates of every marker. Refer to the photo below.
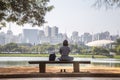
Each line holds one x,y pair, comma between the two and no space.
42,68
76,67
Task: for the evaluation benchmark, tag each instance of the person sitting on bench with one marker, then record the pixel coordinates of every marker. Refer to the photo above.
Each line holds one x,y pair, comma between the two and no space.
64,51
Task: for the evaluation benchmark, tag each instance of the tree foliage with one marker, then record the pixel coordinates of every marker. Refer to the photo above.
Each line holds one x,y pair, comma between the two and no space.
107,3
24,11
75,48
118,41
1,48
117,48
9,47
100,50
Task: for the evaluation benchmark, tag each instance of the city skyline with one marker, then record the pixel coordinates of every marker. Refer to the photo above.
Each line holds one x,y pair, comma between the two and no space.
78,16
44,29
53,36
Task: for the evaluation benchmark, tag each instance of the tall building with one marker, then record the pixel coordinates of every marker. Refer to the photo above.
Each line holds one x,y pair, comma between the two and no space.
102,35
9,37
41,33
54,31
86,37
114,37
75,37
2,38
48,31
60,37
30,36
20,38
45,40
96,36
75,33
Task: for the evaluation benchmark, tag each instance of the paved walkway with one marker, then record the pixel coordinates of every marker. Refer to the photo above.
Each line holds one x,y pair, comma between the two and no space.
75,78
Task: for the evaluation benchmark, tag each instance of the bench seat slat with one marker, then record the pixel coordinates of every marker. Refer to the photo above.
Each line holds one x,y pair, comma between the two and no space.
54,62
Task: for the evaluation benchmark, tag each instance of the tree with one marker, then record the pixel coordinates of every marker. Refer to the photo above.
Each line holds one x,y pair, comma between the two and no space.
10,46
107,3
100,50
118,41
117,48
24,11
23,49
1,48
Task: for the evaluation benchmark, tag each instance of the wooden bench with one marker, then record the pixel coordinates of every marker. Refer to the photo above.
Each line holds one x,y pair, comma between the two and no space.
42,64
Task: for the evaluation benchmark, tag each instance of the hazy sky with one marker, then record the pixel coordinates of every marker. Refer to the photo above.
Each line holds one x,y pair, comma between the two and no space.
79,15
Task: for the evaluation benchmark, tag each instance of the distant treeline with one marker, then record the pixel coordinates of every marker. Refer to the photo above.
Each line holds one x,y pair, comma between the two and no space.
47,48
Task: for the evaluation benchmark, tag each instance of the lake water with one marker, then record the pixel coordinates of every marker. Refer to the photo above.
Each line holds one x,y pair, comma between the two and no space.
23,61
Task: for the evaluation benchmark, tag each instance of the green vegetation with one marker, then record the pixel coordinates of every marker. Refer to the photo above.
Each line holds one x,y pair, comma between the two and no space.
117,47
89,56
23,55
43,50
24,11
117,57
107,3
28,48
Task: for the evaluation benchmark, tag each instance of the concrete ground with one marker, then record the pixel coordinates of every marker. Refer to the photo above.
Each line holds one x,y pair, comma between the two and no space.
69,78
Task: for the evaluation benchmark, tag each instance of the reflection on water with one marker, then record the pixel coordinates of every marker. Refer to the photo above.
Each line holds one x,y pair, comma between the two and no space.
76,78
23,61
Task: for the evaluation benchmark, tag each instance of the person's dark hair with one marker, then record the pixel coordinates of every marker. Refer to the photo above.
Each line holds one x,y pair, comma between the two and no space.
65,43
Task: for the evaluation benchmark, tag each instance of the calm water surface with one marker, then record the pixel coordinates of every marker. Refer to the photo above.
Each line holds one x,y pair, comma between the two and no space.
23,61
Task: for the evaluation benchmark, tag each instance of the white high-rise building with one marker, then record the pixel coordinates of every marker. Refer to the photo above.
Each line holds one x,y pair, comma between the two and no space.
101,36
86,37
75,33
41,34
20,38
30,36
75,37
2,38
9,37
54,31
48,31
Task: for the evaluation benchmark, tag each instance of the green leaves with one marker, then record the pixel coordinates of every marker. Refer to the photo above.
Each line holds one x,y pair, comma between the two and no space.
2,5
24,11
117,48
118,41
107,3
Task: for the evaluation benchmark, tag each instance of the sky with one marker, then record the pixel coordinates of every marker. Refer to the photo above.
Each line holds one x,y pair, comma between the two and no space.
78,15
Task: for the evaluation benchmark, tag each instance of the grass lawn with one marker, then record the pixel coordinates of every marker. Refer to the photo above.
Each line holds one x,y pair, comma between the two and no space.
23,55
88,56
117,57
46,55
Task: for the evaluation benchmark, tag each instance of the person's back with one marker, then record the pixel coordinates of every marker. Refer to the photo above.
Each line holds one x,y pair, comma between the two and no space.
64,51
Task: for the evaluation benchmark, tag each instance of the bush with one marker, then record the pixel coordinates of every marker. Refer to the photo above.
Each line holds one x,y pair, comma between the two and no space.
100,51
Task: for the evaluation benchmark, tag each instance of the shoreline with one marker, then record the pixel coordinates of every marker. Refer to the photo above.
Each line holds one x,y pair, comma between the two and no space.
56,69
47,55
